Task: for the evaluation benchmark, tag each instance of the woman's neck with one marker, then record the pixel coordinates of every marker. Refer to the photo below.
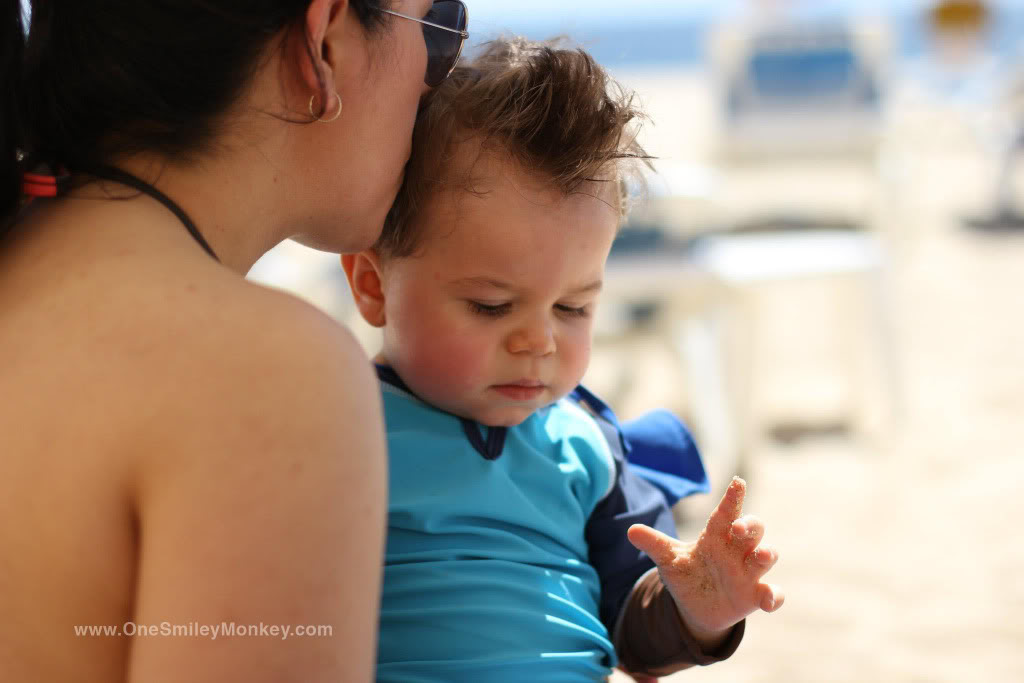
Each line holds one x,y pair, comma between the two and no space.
233,204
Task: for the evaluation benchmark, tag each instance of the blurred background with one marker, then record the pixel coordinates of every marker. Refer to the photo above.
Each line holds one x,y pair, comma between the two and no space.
825,279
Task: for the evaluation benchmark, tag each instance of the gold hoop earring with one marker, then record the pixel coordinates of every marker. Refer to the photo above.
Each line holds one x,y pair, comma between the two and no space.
312,99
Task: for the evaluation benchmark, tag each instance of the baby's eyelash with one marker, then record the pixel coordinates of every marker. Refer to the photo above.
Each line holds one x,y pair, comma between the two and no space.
498,310
493,310
581,312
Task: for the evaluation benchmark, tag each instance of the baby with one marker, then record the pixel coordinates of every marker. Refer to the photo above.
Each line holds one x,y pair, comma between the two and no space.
516,521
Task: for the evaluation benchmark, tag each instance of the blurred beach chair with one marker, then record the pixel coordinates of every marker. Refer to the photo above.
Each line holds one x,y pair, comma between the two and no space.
834,260
787,196
801,126
962,35
1007,209
654,294
800,88
696,297
797,103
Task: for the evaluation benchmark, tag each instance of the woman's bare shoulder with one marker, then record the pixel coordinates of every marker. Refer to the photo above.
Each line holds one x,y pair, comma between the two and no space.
229,342
239,431
271,426
209,319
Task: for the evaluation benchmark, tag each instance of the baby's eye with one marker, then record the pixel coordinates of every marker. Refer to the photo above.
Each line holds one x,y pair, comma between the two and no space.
492,310
581,312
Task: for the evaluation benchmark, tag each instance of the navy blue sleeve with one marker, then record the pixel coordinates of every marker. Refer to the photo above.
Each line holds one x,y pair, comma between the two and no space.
656,463
633,500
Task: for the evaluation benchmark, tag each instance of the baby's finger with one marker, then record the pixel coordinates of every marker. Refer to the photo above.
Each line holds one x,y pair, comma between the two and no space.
747,531
659,546
729,508
762,559
770,597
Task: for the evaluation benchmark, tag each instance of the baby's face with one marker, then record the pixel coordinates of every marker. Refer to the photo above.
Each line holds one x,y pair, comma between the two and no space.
491,318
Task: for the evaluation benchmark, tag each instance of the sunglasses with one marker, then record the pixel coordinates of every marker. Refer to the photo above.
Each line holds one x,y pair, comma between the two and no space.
444,30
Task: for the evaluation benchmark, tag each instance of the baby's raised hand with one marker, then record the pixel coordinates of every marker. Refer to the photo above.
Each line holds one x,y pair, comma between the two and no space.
715,581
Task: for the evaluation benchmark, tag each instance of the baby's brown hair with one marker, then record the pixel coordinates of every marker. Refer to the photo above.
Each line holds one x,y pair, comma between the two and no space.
551,110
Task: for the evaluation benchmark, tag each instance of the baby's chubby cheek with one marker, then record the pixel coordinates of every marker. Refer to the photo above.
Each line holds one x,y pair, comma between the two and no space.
574,359
449,368
437,364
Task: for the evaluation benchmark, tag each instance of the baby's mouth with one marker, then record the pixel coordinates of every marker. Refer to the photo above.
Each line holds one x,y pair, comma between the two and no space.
521,390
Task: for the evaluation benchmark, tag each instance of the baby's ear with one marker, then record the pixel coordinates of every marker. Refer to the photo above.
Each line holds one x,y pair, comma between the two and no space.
364,279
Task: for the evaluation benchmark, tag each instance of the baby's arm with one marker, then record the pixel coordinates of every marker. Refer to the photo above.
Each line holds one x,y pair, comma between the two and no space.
715,581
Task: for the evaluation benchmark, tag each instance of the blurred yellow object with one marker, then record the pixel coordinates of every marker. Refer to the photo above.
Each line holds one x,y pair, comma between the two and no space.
958,15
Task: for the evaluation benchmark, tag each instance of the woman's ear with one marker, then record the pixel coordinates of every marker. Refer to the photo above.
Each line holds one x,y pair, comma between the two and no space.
322,26
366,281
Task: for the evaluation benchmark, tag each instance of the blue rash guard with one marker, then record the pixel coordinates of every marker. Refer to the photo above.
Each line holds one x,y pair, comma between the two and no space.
507,557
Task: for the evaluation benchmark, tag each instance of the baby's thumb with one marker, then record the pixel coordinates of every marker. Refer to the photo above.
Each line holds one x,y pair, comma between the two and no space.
659,546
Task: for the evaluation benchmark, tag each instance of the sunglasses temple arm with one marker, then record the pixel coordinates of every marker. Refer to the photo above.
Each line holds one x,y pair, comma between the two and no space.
464,34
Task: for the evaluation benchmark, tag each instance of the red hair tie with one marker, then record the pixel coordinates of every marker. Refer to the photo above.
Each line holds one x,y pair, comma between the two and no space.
39,185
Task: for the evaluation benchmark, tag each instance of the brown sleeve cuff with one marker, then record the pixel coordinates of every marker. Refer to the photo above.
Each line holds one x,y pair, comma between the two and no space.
650,637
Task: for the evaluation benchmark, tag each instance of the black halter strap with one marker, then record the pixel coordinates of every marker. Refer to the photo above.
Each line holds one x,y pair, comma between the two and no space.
117,175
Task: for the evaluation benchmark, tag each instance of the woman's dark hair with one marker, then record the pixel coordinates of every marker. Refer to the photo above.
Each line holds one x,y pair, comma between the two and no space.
90,80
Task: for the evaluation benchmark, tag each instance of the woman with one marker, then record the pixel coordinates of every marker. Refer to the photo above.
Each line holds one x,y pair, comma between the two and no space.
184,452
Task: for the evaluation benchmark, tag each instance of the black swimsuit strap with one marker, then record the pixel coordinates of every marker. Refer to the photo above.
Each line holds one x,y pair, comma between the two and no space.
117,175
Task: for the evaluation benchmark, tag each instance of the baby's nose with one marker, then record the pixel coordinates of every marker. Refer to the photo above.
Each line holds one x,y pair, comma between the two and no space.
537,339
